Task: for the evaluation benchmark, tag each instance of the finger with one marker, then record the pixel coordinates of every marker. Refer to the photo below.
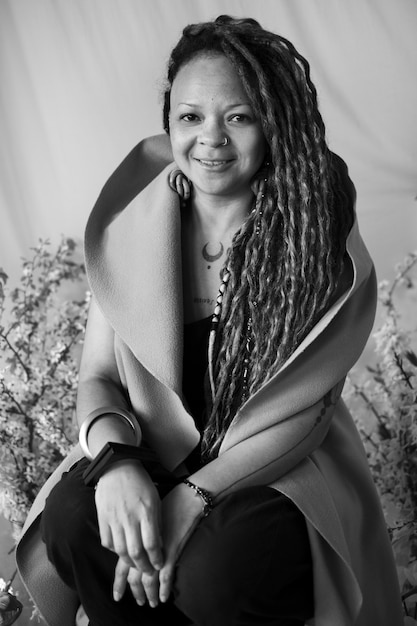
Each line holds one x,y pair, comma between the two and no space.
152,542
137,553
103,526
120,579
105,536
135,583
119,545
166,579
151,586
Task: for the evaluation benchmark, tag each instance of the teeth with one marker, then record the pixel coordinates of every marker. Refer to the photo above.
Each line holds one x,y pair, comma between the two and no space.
212,163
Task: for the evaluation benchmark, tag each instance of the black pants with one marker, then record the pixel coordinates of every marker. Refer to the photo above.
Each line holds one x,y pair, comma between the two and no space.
247,563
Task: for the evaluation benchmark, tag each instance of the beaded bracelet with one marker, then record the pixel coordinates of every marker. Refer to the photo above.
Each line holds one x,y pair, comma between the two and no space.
101,412
204,495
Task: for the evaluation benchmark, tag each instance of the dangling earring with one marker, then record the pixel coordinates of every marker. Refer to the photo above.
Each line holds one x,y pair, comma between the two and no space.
180,184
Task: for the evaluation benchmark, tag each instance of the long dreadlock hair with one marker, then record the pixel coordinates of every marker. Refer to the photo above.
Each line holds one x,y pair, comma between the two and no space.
285,261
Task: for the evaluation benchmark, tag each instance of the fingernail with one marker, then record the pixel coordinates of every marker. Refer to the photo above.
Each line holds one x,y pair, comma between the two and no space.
153,604
117,596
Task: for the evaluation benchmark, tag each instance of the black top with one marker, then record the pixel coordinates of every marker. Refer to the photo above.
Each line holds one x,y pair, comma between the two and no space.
194,382
195,363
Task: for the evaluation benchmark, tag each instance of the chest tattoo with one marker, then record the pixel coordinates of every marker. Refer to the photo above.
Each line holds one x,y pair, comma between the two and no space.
204,301
210,258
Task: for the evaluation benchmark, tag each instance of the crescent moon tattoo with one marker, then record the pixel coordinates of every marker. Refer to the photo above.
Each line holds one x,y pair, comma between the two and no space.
210,258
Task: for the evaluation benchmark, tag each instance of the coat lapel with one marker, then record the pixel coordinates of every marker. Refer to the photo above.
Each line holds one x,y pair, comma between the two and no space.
323,357
133,259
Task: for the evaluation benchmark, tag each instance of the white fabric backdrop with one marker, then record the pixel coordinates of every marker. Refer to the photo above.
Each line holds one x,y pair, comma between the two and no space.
81,82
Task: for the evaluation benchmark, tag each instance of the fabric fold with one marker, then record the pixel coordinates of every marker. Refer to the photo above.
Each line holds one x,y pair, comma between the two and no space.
133,258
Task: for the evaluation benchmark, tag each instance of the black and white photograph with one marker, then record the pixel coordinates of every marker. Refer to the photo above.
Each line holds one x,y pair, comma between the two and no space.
208,296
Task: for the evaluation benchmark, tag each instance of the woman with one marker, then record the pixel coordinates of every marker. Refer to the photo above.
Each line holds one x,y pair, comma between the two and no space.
241,496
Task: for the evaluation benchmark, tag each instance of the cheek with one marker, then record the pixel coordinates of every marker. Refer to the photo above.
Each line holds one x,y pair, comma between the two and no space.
262,149
179,145
256,148
259,151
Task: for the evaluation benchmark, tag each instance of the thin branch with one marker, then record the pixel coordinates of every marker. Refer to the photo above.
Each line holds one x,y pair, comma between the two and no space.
27,419
399,363
16,354
359,392
9,582
405,270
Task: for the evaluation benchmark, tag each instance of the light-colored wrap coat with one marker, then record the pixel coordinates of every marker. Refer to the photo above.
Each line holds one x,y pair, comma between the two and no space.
133,257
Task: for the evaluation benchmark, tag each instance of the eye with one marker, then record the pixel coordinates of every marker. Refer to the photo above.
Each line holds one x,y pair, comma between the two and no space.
189,117
241,118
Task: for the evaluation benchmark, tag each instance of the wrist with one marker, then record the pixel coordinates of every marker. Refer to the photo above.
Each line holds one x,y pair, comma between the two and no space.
111,455
117,469
206,500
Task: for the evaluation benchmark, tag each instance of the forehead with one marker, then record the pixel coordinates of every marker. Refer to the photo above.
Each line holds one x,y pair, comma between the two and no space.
207,75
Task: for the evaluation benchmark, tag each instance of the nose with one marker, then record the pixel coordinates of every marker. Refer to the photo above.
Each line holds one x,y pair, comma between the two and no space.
212,134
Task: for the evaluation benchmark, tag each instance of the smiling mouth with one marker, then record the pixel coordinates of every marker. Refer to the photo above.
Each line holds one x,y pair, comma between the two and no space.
212,162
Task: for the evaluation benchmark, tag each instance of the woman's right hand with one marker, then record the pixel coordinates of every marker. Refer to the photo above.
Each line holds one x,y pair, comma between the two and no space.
129,516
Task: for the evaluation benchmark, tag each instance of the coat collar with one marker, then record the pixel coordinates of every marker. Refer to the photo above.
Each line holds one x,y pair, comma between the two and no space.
133,259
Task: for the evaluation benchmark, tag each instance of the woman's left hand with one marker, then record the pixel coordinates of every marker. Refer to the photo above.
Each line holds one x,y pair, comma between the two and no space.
181,511
144,586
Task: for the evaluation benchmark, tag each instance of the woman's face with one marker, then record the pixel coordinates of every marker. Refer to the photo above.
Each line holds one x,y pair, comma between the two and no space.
209,106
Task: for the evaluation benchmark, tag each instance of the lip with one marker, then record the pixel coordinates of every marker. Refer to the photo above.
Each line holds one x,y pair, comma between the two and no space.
213,164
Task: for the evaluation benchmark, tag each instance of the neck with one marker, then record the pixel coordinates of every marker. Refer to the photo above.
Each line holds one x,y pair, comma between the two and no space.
217,214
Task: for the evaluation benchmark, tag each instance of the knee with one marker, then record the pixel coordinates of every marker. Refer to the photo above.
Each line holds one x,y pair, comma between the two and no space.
204,597
208,585
240,557
69,516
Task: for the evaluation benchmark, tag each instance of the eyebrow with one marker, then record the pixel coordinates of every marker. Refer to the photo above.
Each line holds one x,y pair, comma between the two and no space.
229,106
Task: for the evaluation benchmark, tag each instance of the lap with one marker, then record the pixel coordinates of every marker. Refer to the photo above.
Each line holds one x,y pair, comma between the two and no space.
258,512
251,549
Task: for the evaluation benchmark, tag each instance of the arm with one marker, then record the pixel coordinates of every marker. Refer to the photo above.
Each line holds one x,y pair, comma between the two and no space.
128,505
99,383
271,453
